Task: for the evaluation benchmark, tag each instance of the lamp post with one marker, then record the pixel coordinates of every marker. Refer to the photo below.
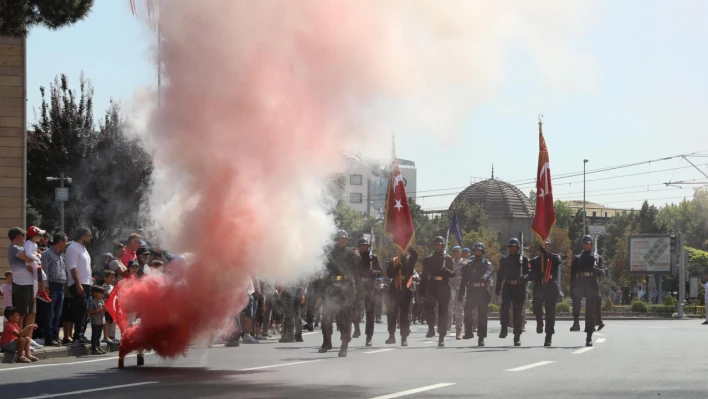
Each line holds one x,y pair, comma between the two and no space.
585,161
61,195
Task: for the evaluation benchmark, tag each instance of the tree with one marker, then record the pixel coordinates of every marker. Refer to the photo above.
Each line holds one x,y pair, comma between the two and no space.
564,214
348,219
18,16
532,198
110,171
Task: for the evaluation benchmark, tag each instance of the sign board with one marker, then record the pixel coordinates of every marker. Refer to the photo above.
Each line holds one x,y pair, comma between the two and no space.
597,230
61,194
693,288
650,254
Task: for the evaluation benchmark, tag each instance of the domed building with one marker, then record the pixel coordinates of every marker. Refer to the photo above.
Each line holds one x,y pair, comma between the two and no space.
509,211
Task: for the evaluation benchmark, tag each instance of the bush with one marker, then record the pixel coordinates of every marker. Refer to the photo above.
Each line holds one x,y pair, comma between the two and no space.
639,306
662,309
493,308
669,301
635,300
702,298
562,307
608,304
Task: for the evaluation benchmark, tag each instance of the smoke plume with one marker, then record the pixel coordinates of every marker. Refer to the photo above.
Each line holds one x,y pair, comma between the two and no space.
262,98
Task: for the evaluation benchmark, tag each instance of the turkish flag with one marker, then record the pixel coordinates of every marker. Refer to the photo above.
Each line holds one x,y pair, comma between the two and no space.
398,219
545,216
114,309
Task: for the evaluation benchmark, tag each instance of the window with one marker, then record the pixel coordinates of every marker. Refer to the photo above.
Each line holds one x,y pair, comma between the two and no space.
594,214
355,198
355,180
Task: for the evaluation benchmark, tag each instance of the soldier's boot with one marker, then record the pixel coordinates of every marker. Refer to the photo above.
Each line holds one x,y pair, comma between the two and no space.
588,340
441,341
468,333
298,338
391,339
287,338
480,342
600,326
326,345
357,331
517,339
576,324
431,332
458,333
343,349
548,340
121,363
404,341
310,327
368,340
539,325
141,360
503,332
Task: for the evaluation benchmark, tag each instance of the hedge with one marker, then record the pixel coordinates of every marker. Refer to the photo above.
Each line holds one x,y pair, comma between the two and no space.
493,308
562,307
639,306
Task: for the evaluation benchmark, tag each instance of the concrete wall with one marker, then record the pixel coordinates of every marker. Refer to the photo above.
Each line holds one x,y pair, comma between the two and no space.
12,140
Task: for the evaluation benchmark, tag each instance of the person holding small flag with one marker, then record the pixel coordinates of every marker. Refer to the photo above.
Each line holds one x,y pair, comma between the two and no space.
544,274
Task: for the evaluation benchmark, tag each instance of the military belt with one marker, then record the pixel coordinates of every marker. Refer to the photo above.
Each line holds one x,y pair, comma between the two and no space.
586,274
339,278
513,282
478,284
438,278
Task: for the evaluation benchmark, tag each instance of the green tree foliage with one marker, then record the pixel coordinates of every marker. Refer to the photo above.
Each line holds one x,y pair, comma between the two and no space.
19,16
698,262
110,170
563,307
564,214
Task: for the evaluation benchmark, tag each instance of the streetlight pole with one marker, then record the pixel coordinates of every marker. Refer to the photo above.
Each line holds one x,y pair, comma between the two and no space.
61,195
585,161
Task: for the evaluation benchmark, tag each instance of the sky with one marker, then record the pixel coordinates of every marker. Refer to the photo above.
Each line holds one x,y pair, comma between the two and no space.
641,96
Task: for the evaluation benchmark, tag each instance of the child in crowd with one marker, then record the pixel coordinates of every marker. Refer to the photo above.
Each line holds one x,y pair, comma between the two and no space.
6,292
34,236
15,340
96,310
133,268
109,329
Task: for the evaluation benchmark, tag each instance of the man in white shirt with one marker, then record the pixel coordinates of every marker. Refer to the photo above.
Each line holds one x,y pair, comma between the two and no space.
79,280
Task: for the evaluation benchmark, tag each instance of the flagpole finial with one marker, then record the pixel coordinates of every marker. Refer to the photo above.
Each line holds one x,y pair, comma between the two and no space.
540,123
492,171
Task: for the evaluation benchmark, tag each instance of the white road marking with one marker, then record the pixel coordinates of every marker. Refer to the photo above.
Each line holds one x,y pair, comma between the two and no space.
600,340
279,365
310,333
428,342
54,395
530,366
602,335
582,350
379,351
66,363
412,391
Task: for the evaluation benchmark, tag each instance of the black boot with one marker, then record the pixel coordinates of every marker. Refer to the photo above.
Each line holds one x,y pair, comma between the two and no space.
588,340
539,326
391,339
576,324
468,333
368,341
310,327
503,333
298,338
600,326
357,332
141,360
480,342
343,349
285,339
326,345
404,341
441,341
431,332
517,339
548,340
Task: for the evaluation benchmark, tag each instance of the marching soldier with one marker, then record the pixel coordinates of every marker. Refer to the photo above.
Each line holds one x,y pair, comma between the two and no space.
291,299
339,294
438,269
511,283
475,283
367,270
584,271
456,308
400,270
544,273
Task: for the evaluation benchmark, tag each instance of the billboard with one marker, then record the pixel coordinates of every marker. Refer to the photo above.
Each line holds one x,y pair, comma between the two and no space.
650,254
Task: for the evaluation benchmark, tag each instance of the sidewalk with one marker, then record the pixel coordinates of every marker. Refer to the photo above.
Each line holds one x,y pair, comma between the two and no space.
53,352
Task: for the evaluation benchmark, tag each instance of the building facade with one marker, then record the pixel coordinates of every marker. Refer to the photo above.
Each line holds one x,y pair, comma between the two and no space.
13,120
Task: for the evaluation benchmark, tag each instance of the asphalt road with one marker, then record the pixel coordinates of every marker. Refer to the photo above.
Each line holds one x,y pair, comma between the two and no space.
630,359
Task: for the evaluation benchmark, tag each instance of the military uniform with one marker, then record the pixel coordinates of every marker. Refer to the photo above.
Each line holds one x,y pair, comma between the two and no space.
291,302
584,273
511,283
400,295
339,296
313,301
456,309
475,284
438,269
366,271
544,274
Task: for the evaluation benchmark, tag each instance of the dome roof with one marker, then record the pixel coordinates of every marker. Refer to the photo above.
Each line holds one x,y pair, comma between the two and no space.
500,199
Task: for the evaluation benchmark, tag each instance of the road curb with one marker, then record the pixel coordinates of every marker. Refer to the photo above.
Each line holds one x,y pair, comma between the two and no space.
73,350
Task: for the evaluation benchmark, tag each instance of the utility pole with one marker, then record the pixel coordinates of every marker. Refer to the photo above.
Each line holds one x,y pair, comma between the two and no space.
61,195
585,161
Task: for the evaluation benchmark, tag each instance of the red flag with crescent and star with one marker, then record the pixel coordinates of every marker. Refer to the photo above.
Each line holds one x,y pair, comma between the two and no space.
114,309
398,221
545,216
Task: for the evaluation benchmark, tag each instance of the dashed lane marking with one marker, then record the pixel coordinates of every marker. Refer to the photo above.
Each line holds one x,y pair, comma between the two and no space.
582,350
530,366
54,395
279,365
378,351
414,391
600,340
